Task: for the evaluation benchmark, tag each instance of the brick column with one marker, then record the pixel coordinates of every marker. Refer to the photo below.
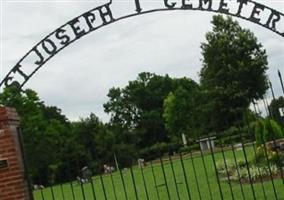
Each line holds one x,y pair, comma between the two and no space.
13,185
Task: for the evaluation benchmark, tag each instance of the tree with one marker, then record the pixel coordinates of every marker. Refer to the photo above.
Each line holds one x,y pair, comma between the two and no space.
275,106
138,108
267,130
42,133
57,149
180,108
233,72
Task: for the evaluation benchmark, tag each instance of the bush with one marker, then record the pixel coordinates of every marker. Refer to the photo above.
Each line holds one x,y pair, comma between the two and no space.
263,155
221,168
267,130
185,149
241,172
157,150
126,155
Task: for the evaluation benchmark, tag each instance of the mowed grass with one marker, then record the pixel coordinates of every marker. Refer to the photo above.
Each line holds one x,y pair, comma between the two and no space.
199,187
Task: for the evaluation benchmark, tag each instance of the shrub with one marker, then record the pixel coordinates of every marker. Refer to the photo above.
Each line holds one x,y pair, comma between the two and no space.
255,173
267,130
185,149
268,155
221,168
157,150
241,163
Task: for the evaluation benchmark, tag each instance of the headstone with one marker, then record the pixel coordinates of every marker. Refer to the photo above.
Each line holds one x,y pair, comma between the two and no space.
206,143
141,162
281,112
184,140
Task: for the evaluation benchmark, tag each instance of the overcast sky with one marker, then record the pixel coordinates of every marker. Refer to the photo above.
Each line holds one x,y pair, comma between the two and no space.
78,78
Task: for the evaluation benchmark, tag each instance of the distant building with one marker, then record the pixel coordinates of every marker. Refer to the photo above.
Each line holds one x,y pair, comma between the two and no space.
205,143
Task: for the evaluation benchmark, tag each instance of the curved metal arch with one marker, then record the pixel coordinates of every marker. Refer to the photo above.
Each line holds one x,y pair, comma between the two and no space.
17,68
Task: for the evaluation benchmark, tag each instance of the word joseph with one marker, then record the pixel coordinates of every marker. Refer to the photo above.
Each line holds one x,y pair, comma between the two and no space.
103,15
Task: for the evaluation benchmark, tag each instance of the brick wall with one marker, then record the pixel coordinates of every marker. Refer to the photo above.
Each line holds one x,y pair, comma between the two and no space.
12,180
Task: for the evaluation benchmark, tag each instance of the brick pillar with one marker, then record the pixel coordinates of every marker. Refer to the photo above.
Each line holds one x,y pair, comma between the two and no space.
13,184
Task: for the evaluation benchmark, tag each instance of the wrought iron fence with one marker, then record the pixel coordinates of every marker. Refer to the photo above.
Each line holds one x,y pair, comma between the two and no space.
221,172
229,165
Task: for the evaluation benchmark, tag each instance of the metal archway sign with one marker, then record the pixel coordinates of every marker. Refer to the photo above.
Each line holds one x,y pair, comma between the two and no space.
103,15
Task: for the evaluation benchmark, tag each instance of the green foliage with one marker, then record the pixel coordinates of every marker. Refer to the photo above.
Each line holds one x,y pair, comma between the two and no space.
266,154
267,130
180,113
56,148
44,130
274,107
233,72
185,149
239,171
137,109
150,113
154,151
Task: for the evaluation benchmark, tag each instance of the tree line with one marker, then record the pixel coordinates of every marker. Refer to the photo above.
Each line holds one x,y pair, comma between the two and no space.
149,113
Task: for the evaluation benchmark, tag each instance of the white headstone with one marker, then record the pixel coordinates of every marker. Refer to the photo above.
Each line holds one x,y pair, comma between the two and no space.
184,139
281,112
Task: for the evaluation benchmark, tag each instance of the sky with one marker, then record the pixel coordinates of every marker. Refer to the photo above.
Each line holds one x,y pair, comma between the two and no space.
78,78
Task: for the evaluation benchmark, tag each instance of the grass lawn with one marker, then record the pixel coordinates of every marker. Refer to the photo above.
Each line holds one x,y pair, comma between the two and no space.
201,183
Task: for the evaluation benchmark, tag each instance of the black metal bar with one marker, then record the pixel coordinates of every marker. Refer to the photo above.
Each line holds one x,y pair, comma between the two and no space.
71,181
270,172
18,65
41,192
261,179
155,181
165,178
72,189
82,190
254,150
266,102
62,192
52,192
266,108
254,106
70,178
144,182
253,145
226,167
278,158
281,80
216,171
271,89
138,7
237,168
121,177
174,175
123,184
80,178
195,174
206,173
93,189
133,182
247,165
113,186
274,143
185,176
23,156
103,187
41,189
258,109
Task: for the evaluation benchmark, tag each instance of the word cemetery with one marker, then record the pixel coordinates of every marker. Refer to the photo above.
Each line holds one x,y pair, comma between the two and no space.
106,14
